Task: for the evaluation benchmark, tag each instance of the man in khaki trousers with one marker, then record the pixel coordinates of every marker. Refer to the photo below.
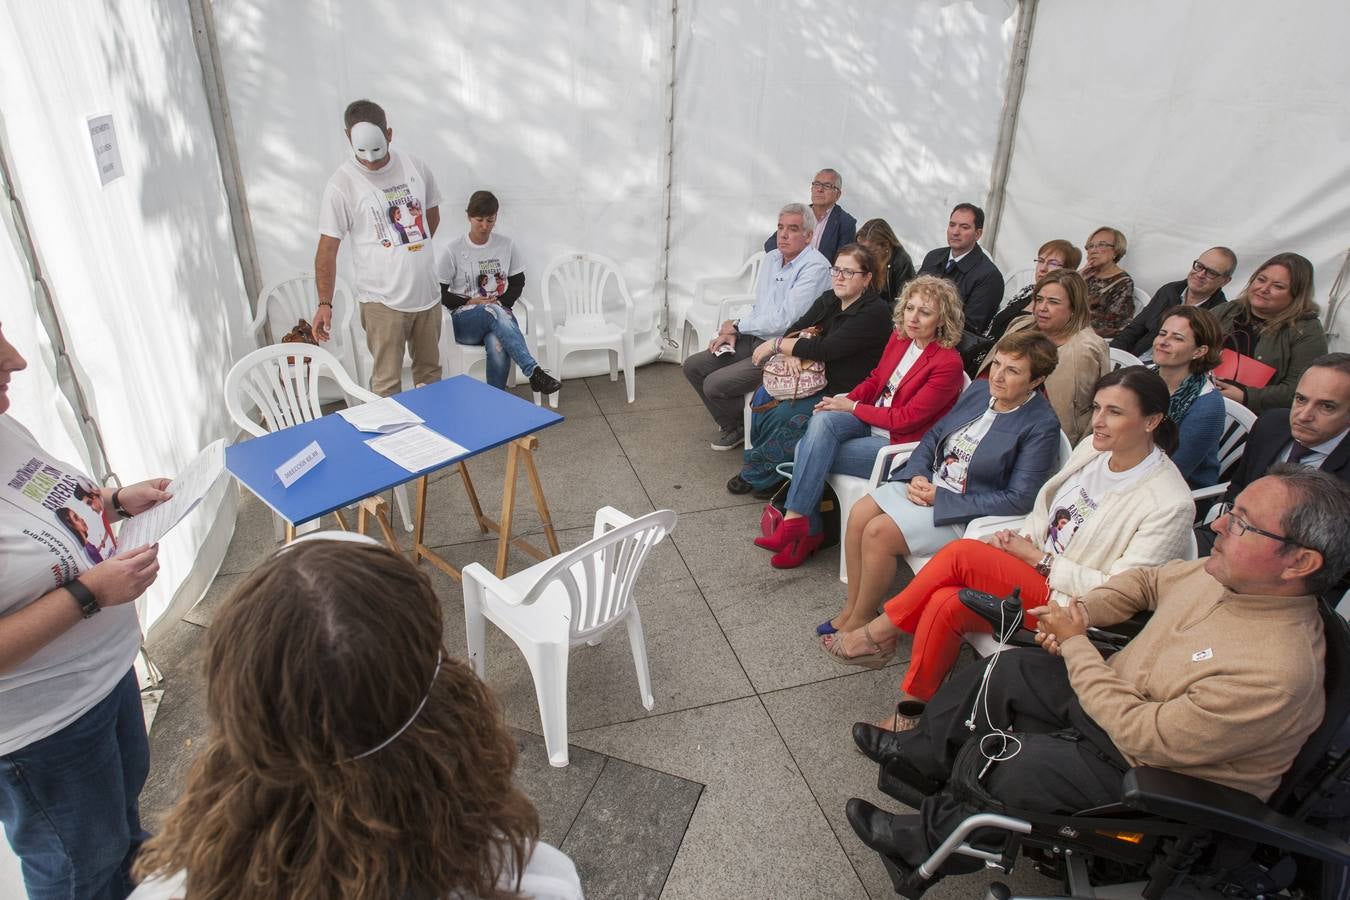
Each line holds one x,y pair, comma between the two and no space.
389,204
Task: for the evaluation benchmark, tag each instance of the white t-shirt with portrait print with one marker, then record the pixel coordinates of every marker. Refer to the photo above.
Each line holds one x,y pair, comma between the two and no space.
383,215
48,536
1080,497
907,361
952,463
474,270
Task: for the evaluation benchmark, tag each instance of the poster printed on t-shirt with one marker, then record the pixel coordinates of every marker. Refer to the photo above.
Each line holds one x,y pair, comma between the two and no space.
36,486
403,216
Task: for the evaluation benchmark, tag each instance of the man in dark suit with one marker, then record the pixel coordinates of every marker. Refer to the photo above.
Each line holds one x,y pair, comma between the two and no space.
1311,433
978,281
835,228
1203,287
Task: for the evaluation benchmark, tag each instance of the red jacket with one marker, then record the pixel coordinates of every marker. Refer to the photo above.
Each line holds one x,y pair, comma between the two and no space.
926,393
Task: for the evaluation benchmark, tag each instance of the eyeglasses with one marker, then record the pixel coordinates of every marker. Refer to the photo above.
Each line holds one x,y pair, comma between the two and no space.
1238,526
846,273
1100,245
825,185
1200,268
1051,263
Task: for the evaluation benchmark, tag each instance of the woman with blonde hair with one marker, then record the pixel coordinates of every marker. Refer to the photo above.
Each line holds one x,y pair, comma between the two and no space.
915,384
1275,321
894,266
1059,310
1110,288
349,755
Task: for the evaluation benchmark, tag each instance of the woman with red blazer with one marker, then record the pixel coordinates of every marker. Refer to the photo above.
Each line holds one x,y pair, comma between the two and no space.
915,384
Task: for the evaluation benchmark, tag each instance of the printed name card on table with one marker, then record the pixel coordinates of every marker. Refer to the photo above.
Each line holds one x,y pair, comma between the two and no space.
289,472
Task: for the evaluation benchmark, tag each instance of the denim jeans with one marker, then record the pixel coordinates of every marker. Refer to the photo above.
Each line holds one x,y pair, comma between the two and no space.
69,802
837,442
493,327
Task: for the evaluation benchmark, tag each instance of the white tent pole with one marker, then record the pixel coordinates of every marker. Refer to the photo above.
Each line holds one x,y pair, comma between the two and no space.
1007,126
222,124
667,196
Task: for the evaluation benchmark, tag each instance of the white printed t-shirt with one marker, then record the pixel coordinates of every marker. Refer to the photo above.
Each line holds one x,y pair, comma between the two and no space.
472,270
383,214
951,468
39,552
1080,497
907,361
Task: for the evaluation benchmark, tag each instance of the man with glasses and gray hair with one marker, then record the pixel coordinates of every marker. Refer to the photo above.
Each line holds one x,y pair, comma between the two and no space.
1202,287
1224,683
792,276
835,228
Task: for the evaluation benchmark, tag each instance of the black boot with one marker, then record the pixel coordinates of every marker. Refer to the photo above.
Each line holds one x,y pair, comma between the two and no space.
543,382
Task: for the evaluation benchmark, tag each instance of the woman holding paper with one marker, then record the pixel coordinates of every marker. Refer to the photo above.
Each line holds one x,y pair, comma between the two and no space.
1274,321
73,749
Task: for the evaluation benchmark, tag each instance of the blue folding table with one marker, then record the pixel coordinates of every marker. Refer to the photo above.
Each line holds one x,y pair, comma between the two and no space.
468,412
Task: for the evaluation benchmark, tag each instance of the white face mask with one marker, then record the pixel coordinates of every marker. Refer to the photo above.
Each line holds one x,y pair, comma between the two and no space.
368,142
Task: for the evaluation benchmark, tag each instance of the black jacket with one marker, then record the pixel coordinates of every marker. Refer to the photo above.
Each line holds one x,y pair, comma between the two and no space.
851,340
977,280
899,272
1270,435
1137,337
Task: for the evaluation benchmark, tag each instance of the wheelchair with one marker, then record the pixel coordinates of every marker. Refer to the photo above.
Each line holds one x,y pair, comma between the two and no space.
1171,836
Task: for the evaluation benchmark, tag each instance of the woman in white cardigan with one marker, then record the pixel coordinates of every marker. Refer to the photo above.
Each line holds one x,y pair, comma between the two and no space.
1119,503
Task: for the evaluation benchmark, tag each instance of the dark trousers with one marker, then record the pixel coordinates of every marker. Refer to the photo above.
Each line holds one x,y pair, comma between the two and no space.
723,381
1066,763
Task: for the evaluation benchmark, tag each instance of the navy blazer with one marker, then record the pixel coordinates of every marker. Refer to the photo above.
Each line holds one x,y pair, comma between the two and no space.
1016,457
840,230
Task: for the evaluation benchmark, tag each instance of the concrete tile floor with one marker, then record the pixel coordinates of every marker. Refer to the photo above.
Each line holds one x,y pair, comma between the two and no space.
733,785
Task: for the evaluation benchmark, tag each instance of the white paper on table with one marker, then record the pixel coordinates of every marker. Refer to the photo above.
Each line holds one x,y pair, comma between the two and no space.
191,485
416,448
380,416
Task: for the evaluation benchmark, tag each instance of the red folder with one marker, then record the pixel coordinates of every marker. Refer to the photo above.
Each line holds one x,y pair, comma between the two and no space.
1244,370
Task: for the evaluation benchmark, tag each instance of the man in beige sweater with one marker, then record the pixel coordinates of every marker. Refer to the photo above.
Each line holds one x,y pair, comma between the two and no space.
1225,682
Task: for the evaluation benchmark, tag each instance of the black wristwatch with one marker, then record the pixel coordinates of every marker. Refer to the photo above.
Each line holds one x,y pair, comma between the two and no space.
117,504
83,596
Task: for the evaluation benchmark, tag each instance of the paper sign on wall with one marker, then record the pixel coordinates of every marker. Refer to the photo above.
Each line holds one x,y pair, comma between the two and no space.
290,471
107,157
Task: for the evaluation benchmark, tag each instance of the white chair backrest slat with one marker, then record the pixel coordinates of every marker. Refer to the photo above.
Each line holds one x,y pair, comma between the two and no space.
285,393
1238,423
576,284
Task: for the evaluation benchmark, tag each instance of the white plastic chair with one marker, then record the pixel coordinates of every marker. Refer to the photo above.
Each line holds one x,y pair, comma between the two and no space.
704,315
461,359
579,281
1141,299
283,303
1015,282
1238,424
1120,359
287,393
849,489
571,599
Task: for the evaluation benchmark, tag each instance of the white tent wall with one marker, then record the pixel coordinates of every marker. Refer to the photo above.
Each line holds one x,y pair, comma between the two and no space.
558,108
1185,125
903,99
143,270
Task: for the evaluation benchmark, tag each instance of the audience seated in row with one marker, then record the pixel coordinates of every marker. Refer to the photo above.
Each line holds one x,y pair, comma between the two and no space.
1203,287
1060,311
1110,288
350,754
1224,682
915,384
834,227
849,326
987,457
792,276
1119,503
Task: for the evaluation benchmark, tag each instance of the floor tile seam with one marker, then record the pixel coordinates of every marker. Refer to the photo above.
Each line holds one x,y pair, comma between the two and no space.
626,458
693,811
604,764
857,671
806,783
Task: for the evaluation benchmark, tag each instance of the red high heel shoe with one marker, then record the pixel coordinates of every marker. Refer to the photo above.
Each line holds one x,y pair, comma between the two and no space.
797,551
787,531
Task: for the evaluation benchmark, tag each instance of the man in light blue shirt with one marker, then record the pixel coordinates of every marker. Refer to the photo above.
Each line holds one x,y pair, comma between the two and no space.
790,279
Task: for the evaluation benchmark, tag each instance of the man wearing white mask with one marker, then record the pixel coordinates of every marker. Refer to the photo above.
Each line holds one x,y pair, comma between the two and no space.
388,202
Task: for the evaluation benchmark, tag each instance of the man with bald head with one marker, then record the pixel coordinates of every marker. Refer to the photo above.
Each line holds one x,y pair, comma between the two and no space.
1202,287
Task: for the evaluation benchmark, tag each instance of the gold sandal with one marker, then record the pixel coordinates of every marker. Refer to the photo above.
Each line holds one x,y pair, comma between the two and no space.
874,659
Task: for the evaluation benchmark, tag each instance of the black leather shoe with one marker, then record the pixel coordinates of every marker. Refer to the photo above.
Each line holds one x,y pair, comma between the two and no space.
901,837
543,382
898,779
738,485
877,744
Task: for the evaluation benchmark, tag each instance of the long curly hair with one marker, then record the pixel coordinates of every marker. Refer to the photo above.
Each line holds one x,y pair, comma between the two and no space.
323,653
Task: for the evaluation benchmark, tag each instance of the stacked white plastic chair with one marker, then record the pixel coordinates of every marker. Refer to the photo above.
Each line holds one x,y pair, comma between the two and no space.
571,599
281,382
704,315
576,284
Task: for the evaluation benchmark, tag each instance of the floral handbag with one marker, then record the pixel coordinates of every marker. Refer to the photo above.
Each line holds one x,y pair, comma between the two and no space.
783,385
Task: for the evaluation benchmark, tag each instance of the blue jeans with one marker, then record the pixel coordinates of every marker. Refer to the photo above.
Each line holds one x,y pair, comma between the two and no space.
69,802
837,442
494,328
